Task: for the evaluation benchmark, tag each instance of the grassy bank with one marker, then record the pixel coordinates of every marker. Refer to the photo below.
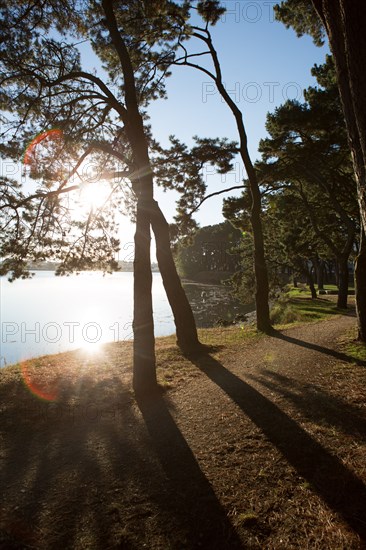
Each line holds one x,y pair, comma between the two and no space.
296,306
293,308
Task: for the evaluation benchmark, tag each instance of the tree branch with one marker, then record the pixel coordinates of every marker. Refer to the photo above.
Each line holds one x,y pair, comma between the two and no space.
213,195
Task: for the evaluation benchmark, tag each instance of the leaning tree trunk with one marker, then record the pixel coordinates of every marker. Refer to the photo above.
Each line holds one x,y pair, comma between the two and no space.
187,338
343,280
260,266
360,288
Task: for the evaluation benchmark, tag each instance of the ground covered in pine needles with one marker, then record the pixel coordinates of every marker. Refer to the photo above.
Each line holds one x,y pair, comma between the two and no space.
260,444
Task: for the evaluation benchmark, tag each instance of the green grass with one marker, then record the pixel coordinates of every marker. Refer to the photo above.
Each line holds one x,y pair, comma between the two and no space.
335,288
296,306
357,350
354,347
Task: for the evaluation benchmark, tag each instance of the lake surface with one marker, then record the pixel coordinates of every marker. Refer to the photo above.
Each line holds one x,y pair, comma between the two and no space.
48,314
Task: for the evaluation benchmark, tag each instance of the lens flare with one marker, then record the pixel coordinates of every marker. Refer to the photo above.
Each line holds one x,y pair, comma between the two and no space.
48,135
46,390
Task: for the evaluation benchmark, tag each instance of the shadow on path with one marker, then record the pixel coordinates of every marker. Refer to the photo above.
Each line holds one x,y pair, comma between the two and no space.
90,472
327,351
342,490
192,499
315,403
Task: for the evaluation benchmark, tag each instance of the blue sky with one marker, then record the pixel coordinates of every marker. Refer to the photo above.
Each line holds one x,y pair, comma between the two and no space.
263,64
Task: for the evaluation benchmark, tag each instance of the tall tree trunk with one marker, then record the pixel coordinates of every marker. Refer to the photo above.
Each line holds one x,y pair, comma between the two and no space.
312,287
260,267
345,24
343,280
336,272
144,366
319,267
360,288
144,372
310,280
187,338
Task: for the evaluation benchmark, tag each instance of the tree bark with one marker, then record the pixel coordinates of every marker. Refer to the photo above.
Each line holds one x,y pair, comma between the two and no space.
319,267
345,24
187,338
144,372
148,212
360,288
312,286
310,279
260,267
144,364
336,272
343,280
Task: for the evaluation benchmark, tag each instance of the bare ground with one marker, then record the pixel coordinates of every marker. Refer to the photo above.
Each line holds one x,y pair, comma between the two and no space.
260,445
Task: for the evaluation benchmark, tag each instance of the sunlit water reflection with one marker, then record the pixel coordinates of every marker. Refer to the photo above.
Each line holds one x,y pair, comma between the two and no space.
48,314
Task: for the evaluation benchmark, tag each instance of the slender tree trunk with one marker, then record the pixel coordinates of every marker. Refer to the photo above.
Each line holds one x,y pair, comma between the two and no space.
144,372
360,288
260,267
320,274
343,280
326,273
312,287
187,338
310,279
336,272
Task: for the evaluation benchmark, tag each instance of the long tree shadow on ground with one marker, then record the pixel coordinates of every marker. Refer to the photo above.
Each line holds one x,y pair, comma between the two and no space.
339,488
327,351
315,403
91,471
192,498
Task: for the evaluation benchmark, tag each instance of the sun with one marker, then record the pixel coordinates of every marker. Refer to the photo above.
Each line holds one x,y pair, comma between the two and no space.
94,195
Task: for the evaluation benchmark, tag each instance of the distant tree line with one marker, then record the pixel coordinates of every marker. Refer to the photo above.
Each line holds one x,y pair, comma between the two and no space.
213,248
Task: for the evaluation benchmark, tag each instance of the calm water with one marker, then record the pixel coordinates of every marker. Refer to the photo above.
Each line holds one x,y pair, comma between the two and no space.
49,314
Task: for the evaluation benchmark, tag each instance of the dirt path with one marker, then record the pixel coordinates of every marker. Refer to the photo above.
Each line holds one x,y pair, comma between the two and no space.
264,448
